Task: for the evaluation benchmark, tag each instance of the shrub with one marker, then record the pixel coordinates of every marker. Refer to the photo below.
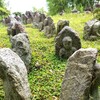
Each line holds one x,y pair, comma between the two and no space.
97,13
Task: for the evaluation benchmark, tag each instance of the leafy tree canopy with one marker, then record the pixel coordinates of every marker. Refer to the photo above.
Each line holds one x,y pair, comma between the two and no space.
56,6
3,9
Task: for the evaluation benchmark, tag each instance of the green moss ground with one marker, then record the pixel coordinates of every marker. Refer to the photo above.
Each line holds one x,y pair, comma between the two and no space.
45,82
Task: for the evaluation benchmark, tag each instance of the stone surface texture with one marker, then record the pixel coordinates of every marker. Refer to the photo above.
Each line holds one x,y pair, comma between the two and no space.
79,75
21,45
14,75
92,30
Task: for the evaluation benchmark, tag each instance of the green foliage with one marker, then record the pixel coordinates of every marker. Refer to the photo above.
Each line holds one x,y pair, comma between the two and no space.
2,3
45,82
17,13
57,6
4,38
41,10
97,13
4,12
3,9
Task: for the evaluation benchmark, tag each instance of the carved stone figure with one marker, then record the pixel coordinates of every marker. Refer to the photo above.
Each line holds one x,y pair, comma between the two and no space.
14,75
67,42
24,18
92,30
15,28
49,30
49,27
29,15
61,24
67,49
21,45
43,16
37,18
48,21
82,76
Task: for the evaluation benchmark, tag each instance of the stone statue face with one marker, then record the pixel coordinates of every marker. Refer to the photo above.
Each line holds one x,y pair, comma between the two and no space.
67,42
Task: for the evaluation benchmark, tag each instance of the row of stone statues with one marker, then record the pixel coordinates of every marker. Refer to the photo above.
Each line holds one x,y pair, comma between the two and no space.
20,41
45,24
15,63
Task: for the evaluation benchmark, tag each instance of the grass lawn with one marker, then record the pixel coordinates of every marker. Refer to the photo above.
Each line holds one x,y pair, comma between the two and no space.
45,82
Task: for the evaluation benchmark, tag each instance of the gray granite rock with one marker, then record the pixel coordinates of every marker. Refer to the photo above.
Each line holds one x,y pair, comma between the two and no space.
21,45
14,75
92,30
61,24
82,76
15,28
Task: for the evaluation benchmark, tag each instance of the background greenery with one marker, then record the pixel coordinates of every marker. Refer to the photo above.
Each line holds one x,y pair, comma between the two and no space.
3,10
57,6
45,81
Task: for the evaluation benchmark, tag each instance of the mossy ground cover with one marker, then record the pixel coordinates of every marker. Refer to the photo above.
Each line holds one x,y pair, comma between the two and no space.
45,81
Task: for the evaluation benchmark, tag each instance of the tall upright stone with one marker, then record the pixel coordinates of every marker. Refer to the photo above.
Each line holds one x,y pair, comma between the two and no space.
14,75
15,28
82,76
49,30
49,27
21,45
48,21
24,18
29,15
37,19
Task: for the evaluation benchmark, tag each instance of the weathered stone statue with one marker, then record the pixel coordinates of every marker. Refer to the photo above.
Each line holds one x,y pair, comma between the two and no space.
92,30
41,23
67,42
43,16
49,30
67,49
49,27
14,75
82,76
29,15
48,21
21,45
37,19
61,24
15,28
24,18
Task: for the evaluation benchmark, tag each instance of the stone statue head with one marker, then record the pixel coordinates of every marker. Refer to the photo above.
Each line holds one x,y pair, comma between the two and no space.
67,42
